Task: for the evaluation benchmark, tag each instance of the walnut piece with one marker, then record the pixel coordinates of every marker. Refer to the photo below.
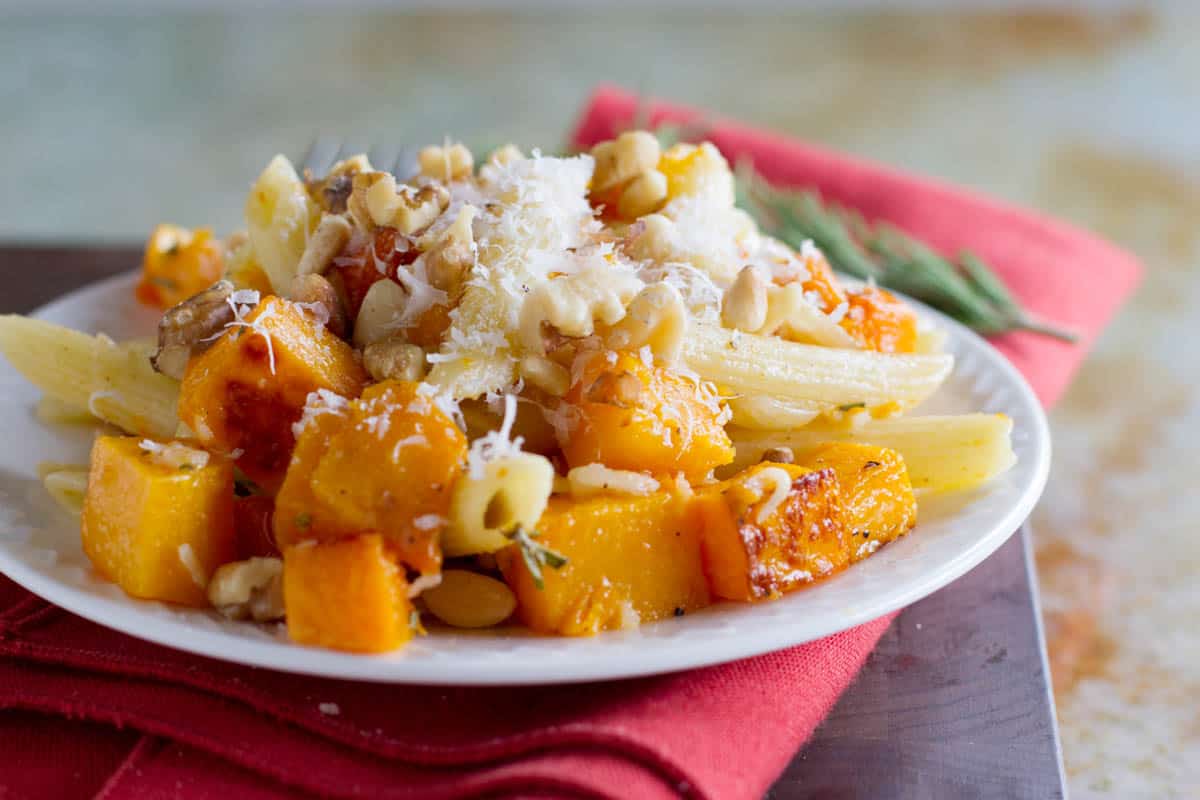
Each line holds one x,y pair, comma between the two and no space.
190,328
394,359
251,589
318,294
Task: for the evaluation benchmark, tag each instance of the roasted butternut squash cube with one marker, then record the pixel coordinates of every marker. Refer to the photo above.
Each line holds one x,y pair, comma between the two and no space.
158,519
177,264
879,320
385,462
629,560
347,594
772,529
627,414
876,492
243,394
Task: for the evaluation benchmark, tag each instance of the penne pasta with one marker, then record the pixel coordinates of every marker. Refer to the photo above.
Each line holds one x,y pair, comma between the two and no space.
279,218
67,486
472,376
114,382
816,379
942,452
52,410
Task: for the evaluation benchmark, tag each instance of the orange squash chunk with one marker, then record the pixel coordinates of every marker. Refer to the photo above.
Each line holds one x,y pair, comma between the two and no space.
244,393
177,264
626,556
879,320
754,549
822,282
155,529
385,462
626,414
876,492
347,595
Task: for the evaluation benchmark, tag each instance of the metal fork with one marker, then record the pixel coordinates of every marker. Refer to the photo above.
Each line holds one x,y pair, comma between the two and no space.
326,151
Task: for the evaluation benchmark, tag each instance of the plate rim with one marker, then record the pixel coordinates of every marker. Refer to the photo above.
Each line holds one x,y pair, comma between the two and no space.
675,656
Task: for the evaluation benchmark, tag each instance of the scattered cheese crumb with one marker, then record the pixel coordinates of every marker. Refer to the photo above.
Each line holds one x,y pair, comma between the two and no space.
187,557
779,482
423,583
495,445
329,709
322,401
427,522
242,302
592,479
174,455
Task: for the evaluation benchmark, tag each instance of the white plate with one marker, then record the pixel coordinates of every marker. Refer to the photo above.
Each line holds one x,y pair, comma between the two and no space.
40,549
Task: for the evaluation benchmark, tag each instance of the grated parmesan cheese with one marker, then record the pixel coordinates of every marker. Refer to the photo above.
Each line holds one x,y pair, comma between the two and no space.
424,583
596,478
242,302
322,401
839,312
779,482
187,557
174,455
495,445
444,401
428,522
415,440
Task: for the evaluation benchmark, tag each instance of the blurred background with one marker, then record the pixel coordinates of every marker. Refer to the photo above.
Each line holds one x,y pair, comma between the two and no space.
115,122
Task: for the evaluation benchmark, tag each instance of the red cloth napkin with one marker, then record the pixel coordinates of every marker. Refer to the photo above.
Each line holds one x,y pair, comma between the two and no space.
88,710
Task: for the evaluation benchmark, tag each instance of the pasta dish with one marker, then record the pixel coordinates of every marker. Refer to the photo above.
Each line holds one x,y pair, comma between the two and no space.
579,393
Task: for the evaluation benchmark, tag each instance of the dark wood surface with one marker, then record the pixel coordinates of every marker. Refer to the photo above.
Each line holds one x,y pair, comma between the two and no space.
953,703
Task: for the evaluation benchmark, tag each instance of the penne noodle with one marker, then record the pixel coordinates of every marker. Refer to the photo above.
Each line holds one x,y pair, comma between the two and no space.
52,410
942,452
113,382
67,487
764,413
279,218
817,379
473,376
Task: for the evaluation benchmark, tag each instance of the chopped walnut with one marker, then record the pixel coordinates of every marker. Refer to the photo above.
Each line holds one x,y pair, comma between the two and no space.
317,292
394,359
448,259
620,389
451,162
251,589
327,241
645,194
190,327
333,191
378,201
779,455
551,378
623,159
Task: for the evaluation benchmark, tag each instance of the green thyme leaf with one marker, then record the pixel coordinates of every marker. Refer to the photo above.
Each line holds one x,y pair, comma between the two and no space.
535,555
304,520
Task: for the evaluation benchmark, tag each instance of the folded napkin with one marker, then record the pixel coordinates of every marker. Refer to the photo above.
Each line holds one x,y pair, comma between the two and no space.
88,710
